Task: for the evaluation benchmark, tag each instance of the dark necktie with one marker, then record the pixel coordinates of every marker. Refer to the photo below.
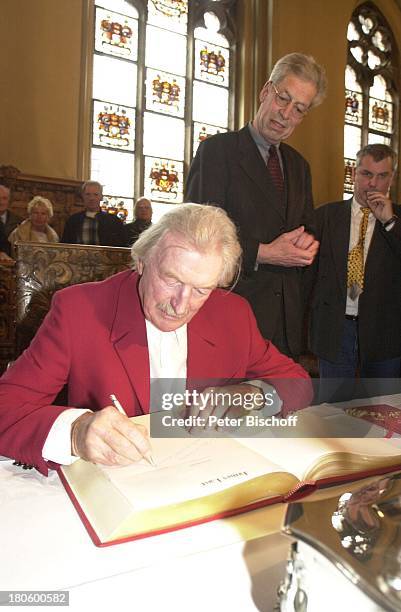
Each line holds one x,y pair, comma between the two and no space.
274,168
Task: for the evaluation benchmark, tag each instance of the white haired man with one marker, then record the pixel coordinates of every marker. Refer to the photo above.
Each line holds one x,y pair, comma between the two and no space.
265,187
165,319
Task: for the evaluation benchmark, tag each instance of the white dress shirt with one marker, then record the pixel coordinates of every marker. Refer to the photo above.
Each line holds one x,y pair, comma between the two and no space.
168,373
167,360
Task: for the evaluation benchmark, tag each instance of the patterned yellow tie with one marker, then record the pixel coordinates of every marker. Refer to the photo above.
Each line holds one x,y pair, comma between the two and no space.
356,258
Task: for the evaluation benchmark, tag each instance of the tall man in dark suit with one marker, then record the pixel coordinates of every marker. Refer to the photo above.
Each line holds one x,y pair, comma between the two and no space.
356,302
272,206
93,226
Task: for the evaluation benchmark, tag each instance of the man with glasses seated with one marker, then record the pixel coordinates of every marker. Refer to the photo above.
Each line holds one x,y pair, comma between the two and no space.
265,187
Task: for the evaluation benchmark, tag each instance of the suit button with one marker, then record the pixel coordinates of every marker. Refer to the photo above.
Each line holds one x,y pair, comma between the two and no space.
277,293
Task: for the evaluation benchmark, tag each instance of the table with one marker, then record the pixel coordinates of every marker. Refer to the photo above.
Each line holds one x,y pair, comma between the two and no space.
232,564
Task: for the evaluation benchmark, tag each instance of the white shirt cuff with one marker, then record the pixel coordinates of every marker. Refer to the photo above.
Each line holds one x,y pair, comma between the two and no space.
57,447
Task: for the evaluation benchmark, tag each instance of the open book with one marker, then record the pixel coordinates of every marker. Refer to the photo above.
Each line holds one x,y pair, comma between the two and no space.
195,480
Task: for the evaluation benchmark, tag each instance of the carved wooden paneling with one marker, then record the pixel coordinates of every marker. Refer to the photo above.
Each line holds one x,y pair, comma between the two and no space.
42,269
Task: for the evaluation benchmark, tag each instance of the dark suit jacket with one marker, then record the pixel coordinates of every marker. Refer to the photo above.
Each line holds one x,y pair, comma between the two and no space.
11,223
94,339
229,171
111,229
134,229
379,307
4,244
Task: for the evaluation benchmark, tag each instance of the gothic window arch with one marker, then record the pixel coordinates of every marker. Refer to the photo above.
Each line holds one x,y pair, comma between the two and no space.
371,87
162,82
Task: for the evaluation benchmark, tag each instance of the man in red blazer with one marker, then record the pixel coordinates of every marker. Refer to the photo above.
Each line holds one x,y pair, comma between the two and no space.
167,319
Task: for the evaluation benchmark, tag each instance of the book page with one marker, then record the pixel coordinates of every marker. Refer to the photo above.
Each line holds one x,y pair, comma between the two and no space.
300,455
187,469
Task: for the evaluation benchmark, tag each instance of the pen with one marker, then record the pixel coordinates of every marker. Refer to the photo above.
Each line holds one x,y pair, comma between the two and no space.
120,409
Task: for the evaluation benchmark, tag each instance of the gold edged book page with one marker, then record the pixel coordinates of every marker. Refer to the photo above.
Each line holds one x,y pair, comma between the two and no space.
193,480
199,479
316,459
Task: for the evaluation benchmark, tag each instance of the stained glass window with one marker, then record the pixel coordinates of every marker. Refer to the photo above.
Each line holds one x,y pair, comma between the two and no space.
165,93
160,85
371,87
203,131
116,34
113,126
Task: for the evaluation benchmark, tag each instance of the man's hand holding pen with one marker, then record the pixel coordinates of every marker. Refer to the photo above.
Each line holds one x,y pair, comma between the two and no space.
109,438
224,403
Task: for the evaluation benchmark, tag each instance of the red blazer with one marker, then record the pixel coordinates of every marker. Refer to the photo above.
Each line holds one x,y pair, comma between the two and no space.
94,340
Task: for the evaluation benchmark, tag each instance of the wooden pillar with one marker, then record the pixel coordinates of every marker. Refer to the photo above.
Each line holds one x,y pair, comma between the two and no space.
254,56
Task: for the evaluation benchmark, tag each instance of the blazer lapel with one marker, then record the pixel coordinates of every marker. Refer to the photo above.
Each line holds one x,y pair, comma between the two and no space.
293,187
128,334
375,254
253,165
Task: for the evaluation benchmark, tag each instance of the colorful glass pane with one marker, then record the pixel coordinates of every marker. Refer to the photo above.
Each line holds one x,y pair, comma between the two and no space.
163,136
210,104
379,139
165,93
357,53
113,126
114,170
159,209
164,180
211,63
352,141
123,208
210,33
352,33
380,115
114,80
169,14
351,82
366,23
353,107
201,131
349,169
374,60
166,51
379,89
381,41
120,6
116,34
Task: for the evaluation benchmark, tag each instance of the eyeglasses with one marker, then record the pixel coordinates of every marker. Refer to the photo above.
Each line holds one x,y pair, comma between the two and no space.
298,111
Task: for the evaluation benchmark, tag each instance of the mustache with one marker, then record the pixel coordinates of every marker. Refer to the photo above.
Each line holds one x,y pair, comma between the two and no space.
167,309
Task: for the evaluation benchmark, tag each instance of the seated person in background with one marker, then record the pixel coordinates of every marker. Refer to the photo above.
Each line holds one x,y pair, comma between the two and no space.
93,226
143,220
8,219
36,228
4,246
165,319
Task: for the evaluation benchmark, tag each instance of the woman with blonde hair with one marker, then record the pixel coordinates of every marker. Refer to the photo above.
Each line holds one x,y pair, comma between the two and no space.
36,228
